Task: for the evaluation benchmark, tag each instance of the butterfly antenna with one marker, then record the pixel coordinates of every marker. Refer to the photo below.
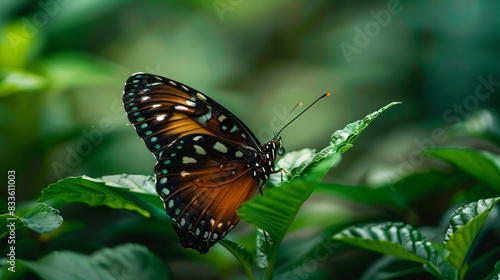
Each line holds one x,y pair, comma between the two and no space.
296,106
278,133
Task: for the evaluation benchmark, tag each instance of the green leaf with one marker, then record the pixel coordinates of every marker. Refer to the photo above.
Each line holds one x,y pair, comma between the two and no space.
241,253
495,275
274,211
119,192
343,139
464,226
136,183
396,239
303,162
42,219
482,165
128,261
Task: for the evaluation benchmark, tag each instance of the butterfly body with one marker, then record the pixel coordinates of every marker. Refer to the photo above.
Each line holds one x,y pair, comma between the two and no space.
208,161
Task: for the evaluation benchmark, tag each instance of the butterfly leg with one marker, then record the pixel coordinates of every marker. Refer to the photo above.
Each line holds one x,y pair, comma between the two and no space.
260,188
279,170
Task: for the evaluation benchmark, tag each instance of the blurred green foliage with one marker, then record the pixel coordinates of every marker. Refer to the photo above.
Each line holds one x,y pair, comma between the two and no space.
63,65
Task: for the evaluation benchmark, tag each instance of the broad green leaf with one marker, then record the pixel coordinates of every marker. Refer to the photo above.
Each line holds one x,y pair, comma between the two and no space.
495,275
482,165
303,162
128,261
241,253
296,158
288,162
103,192
42,219
464,225
438,266
396,239
136,183
142,186
343,139
275,210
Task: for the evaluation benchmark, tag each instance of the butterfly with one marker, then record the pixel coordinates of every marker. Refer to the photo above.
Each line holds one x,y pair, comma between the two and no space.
208,161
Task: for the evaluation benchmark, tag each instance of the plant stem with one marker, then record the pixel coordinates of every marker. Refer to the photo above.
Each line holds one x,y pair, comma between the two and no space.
272,259
248,272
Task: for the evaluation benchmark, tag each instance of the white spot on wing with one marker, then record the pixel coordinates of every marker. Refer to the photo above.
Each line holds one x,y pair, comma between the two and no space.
188,160
197,138
199,150
201,96
235,128
190,103
160,118
165,191
185,88
180,107
220,147
172,83
222,118
153,84
184,173
156,105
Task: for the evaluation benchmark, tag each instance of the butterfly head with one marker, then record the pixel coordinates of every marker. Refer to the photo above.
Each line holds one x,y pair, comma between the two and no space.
273,149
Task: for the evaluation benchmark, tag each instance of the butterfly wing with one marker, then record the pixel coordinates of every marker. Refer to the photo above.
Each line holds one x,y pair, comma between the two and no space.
206,156
203,180
163,110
